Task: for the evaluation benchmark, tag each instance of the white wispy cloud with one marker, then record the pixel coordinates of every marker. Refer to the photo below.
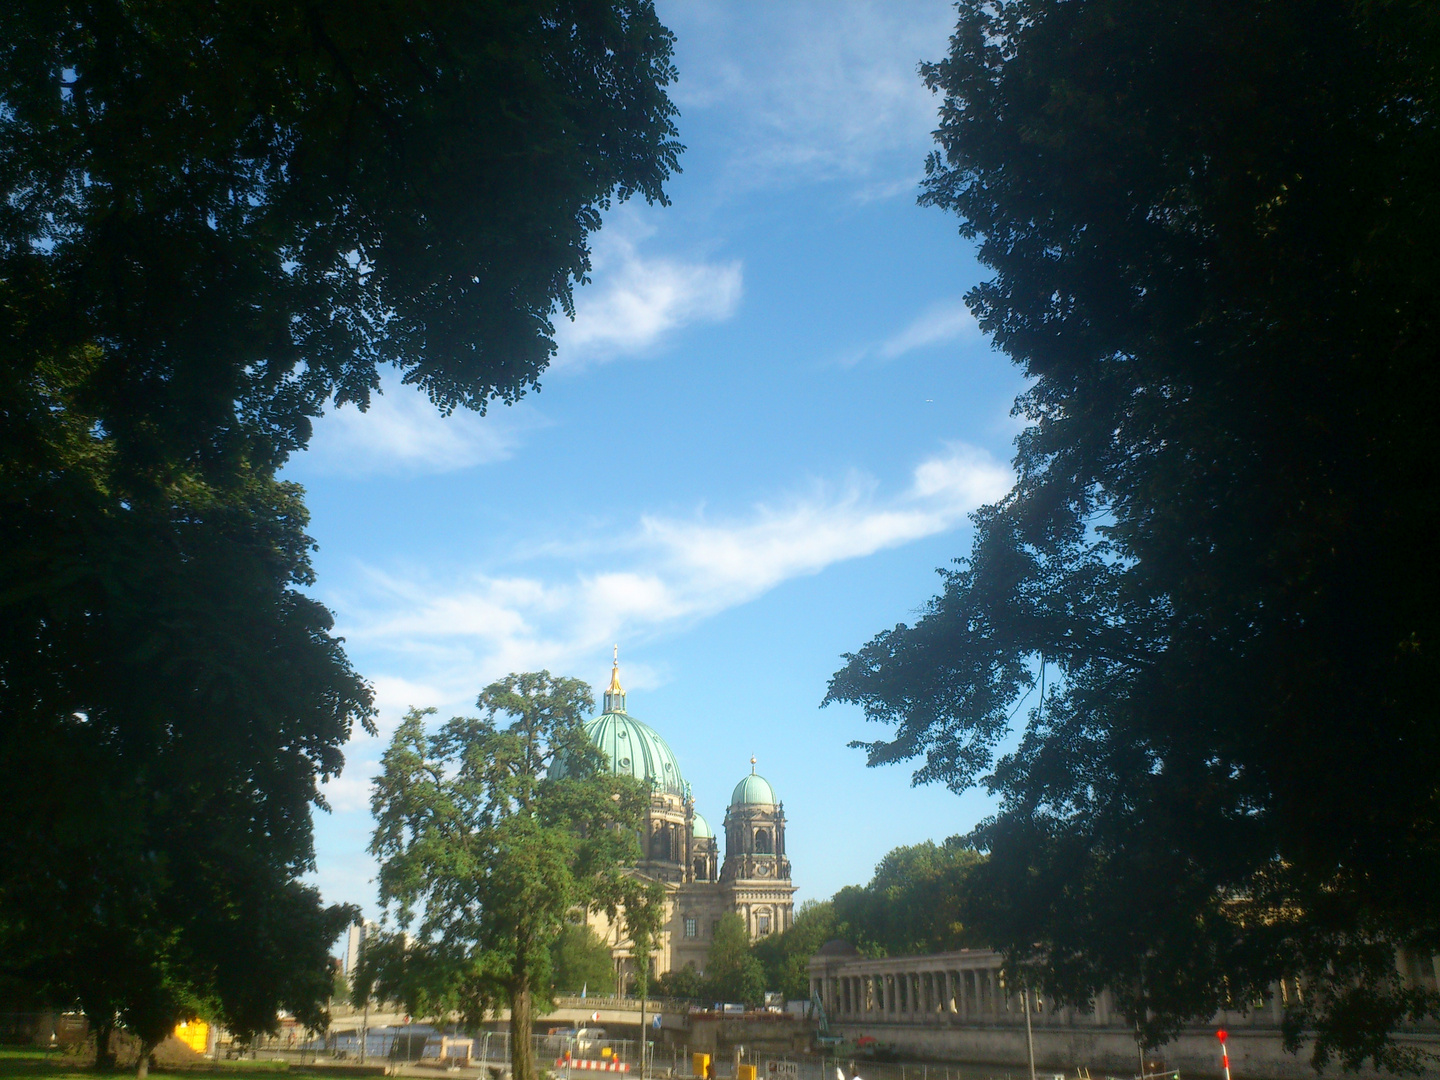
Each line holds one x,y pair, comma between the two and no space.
940,323
635,300
349,792
663,572
814,90
402,432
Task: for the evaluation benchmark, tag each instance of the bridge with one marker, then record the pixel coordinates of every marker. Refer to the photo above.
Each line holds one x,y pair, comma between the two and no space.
570,1011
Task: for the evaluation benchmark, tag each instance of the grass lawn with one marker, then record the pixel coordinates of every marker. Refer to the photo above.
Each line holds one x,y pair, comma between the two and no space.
25,1064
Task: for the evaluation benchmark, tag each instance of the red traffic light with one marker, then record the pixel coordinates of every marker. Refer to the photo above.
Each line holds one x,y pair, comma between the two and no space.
1222,1034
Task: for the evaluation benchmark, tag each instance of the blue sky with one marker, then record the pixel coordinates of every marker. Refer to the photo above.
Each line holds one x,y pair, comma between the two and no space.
761,436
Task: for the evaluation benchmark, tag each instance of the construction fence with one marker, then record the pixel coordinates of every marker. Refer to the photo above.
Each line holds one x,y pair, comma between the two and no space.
770,1066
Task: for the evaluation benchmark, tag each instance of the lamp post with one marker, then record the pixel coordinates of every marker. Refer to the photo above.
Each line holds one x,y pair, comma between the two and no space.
1029,1035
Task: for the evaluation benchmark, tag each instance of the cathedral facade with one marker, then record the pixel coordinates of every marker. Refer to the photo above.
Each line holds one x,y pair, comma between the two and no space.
750,878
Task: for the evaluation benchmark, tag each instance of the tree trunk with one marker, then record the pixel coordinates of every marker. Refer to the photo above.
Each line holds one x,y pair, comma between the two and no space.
522,1061
104,1058
142,1066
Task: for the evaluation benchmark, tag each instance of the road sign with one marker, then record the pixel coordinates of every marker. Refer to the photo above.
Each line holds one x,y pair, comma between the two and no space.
782,1070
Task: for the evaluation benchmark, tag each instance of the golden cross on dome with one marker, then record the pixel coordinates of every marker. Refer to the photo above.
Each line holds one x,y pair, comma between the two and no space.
752,764
615,675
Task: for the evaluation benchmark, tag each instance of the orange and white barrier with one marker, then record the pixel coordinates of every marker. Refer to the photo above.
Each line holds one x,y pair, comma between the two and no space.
597,1066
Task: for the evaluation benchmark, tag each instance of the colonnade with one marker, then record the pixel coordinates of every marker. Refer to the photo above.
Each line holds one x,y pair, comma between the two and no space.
958,987
967,988
963,993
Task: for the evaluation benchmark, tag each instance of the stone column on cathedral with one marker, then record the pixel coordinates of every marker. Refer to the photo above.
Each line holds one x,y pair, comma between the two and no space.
689,874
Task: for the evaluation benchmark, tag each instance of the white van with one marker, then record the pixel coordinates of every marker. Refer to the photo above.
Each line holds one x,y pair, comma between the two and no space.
587,1038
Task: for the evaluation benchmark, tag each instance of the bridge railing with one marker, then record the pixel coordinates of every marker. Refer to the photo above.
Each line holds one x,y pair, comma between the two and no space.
622,1004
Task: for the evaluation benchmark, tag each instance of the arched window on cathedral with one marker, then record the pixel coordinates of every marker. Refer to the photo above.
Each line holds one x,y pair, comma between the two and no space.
762,841
702,872
660,843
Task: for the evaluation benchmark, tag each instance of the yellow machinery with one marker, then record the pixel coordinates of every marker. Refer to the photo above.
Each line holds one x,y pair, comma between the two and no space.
195,1034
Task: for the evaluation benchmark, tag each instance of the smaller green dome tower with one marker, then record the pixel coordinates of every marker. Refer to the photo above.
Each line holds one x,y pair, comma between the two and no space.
755,843
753,791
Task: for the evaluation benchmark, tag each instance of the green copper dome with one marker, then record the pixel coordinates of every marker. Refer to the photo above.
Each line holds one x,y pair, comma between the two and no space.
702,829
636,749
753,791
633,748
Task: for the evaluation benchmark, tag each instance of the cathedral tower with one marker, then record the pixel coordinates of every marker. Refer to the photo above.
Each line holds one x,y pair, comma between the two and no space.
757,870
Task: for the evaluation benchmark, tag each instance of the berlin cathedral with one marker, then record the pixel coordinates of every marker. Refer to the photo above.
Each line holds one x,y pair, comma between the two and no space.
752,879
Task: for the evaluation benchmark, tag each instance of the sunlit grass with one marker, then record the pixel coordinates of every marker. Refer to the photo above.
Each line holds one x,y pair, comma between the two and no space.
23,1064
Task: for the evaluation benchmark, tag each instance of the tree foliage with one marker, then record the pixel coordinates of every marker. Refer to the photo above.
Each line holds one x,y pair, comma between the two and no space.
580,961
785,957
216,219
913,904
167,698
1212,230
243,208
422,977
732,973
684,984
485,851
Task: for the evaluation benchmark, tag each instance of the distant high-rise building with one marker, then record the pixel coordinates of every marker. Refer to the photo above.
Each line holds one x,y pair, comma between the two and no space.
355,939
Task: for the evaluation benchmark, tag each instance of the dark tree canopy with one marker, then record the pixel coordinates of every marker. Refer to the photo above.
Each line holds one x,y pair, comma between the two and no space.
1212,229
168,700
216,219
244,207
